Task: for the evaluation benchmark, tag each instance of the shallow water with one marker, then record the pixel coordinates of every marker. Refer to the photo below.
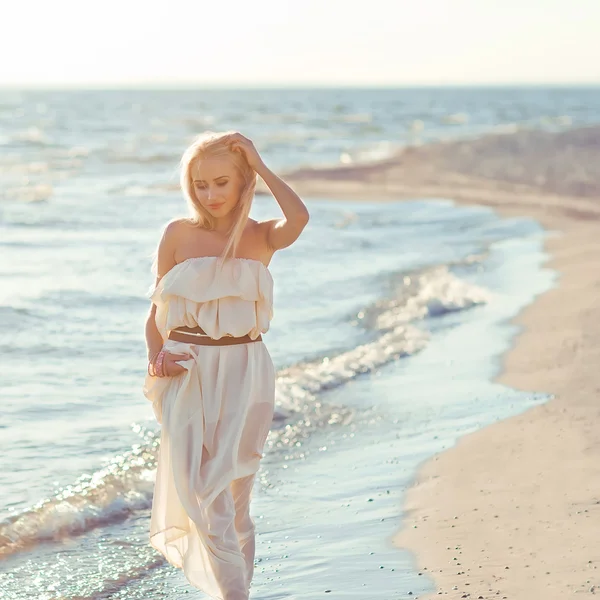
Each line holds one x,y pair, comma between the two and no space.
389,320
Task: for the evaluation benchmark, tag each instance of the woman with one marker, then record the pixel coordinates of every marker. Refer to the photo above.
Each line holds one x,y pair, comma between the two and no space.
210,377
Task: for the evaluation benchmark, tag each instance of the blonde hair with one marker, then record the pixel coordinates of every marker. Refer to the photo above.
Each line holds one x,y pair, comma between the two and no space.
211,145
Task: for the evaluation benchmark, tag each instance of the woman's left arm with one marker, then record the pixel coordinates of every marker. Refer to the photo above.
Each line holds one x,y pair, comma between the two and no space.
280,233
284,232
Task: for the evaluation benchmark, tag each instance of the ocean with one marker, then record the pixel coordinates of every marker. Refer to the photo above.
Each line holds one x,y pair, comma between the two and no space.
390,323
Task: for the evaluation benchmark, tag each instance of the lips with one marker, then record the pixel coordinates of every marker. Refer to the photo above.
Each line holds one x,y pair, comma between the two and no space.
214,206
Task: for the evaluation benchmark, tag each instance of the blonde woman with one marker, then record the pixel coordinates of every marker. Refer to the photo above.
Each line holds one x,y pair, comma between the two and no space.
210,377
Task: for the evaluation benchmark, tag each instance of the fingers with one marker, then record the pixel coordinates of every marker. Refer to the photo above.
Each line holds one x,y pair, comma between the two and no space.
171,365
236,135
238,138
173,369
173,355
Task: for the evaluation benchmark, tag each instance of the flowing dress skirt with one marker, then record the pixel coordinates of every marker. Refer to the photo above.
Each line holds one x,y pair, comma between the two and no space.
215,420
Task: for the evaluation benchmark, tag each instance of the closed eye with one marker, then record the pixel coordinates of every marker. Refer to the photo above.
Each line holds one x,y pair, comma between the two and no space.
201,186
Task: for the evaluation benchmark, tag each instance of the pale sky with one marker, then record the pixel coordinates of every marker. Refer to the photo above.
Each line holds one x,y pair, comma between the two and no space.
299,42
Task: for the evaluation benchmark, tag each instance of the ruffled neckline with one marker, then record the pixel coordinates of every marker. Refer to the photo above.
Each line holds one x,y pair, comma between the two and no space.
200,279
201,258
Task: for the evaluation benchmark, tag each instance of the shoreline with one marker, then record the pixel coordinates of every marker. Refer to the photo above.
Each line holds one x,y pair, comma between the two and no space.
508,512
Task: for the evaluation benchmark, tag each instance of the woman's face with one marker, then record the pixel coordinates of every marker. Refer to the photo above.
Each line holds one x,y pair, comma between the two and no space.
217,184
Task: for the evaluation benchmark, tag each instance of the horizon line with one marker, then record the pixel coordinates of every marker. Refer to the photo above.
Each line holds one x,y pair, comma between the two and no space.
190,85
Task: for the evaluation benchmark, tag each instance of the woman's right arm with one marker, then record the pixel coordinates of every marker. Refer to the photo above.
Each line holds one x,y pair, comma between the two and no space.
165,262
154,341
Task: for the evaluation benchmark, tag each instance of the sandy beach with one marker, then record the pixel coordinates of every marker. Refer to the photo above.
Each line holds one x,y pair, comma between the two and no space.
511,510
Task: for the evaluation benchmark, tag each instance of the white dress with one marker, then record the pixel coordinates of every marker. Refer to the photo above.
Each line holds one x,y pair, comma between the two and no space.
215,419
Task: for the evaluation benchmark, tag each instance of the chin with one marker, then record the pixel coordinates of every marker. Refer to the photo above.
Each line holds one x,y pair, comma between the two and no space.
221,211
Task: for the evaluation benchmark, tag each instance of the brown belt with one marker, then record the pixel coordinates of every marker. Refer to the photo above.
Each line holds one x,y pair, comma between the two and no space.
196,335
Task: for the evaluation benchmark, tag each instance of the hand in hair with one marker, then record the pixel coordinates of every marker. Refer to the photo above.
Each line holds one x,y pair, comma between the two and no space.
240,143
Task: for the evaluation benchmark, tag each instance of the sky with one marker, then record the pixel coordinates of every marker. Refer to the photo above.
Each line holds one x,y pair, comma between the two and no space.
300,42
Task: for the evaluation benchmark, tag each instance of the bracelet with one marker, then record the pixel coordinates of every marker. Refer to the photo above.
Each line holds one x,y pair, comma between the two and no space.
158,366
151,369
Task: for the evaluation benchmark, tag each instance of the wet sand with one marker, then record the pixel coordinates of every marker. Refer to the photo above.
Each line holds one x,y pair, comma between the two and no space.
512,510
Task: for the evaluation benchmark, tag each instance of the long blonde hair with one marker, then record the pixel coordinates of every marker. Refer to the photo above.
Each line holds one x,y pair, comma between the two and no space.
210,145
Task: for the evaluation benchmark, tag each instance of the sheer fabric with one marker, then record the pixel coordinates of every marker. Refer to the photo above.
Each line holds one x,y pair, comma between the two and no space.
215,420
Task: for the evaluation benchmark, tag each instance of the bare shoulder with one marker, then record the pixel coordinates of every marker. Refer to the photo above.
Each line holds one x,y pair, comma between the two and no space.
177,226
177,231
172,233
